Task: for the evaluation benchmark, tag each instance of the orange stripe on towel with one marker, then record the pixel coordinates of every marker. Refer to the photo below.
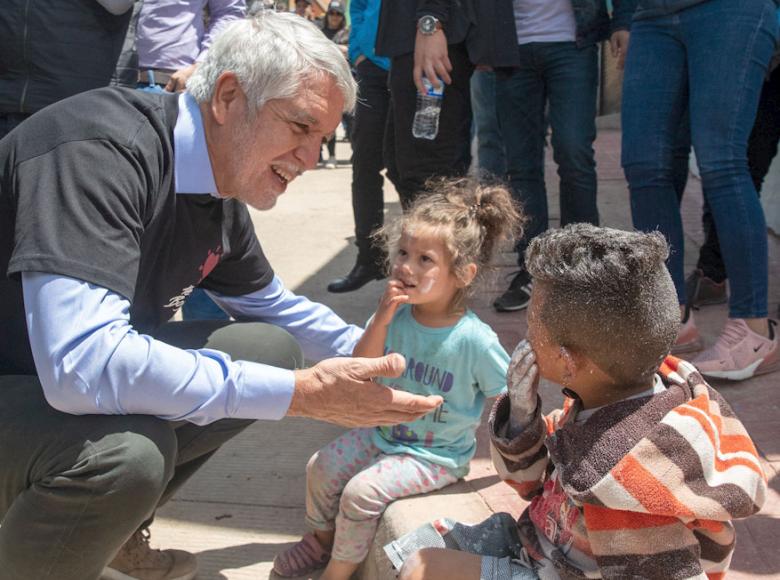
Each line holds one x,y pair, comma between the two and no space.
604,519
647,490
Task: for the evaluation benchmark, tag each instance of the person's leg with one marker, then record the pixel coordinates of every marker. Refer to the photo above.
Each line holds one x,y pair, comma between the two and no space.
368,129
762,145
723,109
654,101
520,99
571,76
441,564
195,444
9,121
73,488
331,162
250,341
490,144
365,499
721,120
762,148
418,160
444,564
327,473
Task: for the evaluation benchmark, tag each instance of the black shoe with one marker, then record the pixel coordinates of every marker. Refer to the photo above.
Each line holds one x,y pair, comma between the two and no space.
358,277
517,295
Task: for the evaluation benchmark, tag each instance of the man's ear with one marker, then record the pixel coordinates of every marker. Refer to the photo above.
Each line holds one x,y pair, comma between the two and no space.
467,275
228,95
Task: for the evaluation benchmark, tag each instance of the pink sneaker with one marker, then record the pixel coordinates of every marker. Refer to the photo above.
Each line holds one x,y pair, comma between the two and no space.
740,353
688,339
304,557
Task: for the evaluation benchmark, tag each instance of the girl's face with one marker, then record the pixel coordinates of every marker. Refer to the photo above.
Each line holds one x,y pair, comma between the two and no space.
423,265
334,19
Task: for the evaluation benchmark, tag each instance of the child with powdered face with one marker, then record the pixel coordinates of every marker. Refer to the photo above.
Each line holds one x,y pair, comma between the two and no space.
643,470
437,250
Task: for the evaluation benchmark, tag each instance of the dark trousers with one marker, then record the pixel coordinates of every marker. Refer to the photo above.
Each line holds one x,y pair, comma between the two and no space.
412,162
9,121
74,488
762,148
491,156
563,79
368,130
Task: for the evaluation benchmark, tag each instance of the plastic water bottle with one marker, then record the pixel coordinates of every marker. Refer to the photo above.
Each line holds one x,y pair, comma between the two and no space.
426,117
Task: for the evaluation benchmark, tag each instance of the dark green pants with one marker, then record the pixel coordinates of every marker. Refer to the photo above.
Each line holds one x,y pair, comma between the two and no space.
74,488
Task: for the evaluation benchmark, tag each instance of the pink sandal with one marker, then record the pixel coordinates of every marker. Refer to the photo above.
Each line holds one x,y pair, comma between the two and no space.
304,557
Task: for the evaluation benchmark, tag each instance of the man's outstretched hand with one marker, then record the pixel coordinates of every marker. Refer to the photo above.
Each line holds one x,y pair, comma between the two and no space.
340,391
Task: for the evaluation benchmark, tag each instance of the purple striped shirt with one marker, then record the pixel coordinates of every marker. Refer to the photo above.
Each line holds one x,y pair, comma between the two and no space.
173,35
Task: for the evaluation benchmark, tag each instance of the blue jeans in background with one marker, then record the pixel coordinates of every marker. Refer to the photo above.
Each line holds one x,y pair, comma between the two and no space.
199,306
691,61
491,158
563,78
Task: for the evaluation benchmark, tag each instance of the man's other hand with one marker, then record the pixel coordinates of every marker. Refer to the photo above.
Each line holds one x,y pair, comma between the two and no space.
340,391
179,79
431,60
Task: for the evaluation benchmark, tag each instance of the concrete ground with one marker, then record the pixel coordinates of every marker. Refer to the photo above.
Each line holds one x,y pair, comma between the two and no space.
247,503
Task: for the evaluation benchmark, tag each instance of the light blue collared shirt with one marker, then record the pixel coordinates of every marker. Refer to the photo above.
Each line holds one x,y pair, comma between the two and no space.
98,364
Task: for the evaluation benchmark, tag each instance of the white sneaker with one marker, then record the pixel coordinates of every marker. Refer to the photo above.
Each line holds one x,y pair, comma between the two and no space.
137,560
330,163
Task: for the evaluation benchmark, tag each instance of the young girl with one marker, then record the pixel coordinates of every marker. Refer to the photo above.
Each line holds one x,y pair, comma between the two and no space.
436,251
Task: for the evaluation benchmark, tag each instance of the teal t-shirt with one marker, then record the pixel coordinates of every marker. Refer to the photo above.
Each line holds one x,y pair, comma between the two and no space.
465,364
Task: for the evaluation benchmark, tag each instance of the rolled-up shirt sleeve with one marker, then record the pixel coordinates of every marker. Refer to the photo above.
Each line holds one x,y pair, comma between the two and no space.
320,331
90,360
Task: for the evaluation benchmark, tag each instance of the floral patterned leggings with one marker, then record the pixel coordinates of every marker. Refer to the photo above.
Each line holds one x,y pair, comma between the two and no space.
350,482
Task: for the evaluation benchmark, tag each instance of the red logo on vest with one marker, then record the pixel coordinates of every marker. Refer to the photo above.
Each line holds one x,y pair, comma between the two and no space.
212,259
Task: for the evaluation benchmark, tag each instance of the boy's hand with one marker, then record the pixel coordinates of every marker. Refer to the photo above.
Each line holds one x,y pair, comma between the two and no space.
394,296
523,385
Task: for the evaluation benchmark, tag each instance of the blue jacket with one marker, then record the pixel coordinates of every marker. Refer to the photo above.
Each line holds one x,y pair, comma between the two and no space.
364,17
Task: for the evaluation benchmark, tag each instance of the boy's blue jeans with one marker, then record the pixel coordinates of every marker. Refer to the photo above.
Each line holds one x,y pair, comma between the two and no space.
710,59
565,77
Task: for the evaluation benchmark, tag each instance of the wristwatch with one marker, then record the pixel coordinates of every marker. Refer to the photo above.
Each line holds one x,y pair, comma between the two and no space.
428,25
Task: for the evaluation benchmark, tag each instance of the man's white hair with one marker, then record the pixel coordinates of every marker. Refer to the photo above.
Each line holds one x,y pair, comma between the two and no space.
273,54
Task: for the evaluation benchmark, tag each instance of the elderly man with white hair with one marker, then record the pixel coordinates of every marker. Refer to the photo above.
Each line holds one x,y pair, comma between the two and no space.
114,205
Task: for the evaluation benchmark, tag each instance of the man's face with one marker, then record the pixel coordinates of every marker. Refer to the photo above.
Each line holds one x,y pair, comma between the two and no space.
300,7
261,154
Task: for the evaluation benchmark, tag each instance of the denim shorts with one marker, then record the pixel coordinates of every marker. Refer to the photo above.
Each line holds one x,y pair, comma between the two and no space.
492,568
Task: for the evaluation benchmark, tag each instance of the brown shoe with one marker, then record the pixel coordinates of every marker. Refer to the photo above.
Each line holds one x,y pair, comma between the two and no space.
137,560
702,290
688,337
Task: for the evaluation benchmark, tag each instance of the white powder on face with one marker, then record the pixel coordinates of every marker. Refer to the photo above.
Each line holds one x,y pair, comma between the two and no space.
427,284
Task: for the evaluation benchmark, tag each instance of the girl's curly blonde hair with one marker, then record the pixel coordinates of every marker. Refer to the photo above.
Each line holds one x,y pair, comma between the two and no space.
472,218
